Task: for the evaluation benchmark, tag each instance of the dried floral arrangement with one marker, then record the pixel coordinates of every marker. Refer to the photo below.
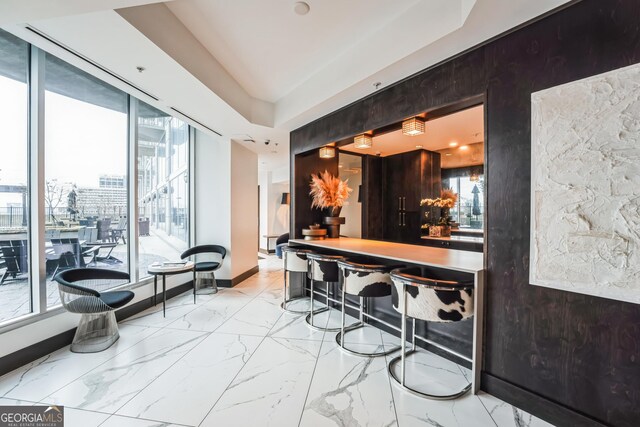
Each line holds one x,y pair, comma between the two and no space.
445,202
328,191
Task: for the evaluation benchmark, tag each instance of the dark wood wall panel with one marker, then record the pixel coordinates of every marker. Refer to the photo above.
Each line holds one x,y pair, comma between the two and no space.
302,167
575,353
372,197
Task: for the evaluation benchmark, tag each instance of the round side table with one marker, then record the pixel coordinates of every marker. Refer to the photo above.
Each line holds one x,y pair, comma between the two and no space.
164,270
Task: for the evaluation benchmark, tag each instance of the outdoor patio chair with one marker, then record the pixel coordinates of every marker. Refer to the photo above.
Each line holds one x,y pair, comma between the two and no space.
15,262
104,229
118,232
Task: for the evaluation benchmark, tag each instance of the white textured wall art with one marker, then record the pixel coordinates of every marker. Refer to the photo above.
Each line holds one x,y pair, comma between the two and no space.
585,193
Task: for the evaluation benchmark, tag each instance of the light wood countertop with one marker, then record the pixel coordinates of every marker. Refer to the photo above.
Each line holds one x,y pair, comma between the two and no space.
451,259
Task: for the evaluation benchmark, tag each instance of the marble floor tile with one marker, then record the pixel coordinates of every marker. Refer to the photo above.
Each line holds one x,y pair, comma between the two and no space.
38,379
236,359
112,384
154,316
434,374
119,421
506,415
186,392
294,326
349,390
271,388
79,418
4,401
210,316
255,318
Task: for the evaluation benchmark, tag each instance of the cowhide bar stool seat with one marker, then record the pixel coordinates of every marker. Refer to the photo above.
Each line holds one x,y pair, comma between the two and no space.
364,281
322,268
295,261
431,300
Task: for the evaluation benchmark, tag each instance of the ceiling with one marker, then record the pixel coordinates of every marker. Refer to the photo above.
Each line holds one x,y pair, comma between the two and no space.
254,67
270,50
459,129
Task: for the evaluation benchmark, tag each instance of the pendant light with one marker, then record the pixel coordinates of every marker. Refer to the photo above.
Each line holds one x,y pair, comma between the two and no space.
327,152
363,141
413,126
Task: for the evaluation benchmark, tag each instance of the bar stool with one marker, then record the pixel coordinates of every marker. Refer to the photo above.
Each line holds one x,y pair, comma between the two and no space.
322,268
364,281
431,300
294,260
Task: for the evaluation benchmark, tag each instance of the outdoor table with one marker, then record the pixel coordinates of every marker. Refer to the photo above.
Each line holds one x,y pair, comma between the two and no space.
164,270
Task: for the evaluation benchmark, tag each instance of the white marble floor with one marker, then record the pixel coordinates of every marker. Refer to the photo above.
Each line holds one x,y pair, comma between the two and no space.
234,359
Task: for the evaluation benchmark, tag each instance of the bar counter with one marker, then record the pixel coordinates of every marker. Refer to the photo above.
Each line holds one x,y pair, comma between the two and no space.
450,259
460,262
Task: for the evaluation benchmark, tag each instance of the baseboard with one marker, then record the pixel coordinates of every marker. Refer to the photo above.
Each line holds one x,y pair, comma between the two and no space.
35,351
230,283
548,410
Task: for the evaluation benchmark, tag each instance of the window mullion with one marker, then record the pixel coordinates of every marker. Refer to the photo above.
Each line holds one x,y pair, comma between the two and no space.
37,180
133,228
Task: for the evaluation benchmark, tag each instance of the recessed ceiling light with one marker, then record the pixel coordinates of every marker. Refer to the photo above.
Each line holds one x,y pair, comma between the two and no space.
448,154
301,8
464,147
453,144
340,165
418,146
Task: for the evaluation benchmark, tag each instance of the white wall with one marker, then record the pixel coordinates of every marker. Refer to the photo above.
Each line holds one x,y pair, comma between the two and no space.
213,194
274,216
226,201
244,209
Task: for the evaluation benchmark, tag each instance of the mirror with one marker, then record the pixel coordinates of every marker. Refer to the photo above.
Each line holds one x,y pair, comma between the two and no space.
350,168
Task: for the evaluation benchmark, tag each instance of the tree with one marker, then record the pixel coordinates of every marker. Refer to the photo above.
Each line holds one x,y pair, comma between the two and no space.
54,194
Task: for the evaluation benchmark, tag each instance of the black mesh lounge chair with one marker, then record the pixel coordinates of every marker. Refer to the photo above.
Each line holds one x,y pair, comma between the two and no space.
98,328
208,266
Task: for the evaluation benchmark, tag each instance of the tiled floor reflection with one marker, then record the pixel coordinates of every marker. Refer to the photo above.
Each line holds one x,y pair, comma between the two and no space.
234,359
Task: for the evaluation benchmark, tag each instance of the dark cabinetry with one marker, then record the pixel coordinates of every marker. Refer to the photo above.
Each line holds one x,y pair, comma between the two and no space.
462,245
408,178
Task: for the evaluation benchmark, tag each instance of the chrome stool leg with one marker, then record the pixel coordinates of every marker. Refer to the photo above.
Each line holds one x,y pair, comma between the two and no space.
285,301
403,359
360,324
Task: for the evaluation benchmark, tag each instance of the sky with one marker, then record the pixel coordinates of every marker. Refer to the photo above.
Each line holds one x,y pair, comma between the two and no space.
82,141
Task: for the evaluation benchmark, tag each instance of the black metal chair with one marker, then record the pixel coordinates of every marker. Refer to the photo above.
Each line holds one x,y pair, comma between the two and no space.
98,328
431,300
207,266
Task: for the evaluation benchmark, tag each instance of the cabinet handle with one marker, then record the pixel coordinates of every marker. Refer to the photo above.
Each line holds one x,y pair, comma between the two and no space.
399,203
400,219
404,203
404,219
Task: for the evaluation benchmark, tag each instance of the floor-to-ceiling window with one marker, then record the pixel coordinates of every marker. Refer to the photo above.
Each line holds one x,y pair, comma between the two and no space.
14,176
64,179
86,146
163,184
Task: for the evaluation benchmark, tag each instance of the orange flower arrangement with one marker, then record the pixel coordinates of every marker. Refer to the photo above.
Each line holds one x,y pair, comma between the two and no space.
328,191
